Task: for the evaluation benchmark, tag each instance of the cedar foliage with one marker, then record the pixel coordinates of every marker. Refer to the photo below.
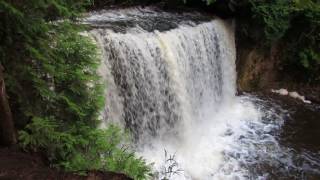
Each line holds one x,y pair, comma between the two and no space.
54,90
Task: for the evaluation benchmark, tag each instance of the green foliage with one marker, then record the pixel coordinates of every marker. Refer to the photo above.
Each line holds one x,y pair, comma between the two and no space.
54,90
31,55
274,16
277,16
303,41
309,58
211,1
310,62
82,148
294,23
122,160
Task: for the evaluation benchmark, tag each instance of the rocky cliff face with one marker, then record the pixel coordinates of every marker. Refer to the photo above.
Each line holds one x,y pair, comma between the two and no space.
260,69
257,68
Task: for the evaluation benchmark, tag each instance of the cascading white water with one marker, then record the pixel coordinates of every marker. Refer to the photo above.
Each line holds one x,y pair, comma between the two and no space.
175,91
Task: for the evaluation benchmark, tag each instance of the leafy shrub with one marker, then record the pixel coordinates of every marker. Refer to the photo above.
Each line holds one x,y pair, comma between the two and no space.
274,16
295,25
82,148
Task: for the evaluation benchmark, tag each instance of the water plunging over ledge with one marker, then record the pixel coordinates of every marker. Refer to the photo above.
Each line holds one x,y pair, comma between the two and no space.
171,81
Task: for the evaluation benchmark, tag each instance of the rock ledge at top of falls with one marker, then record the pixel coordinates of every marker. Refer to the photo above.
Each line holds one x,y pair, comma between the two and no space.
149,19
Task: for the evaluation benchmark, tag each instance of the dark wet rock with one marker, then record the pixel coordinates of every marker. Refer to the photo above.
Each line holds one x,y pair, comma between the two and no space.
301,129
148,19
298,133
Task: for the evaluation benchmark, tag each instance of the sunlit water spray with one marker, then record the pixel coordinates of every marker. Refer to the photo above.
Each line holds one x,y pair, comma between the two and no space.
172,84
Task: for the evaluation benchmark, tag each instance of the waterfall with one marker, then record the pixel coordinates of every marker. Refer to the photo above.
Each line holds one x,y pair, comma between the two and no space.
171,81
172,78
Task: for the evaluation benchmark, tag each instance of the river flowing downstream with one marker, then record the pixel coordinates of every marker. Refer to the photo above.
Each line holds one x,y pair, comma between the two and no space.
171,80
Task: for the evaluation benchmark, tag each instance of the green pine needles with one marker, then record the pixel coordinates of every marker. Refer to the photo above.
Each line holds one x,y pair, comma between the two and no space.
55,92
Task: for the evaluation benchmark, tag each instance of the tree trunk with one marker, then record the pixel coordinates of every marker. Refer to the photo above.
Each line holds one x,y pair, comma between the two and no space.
7,129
